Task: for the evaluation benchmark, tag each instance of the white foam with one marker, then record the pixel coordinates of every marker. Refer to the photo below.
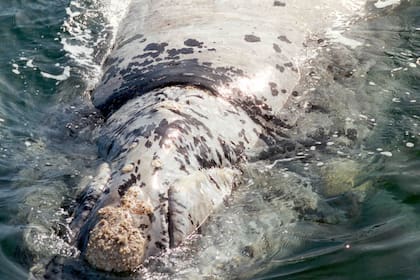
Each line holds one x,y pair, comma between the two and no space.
340,25
61,77
89,30
15,69
385,3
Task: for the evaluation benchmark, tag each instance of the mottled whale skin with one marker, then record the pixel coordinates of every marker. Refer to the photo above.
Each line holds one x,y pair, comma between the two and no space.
191,90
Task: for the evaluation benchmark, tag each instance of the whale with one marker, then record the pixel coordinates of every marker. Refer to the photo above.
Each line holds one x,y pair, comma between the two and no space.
192,91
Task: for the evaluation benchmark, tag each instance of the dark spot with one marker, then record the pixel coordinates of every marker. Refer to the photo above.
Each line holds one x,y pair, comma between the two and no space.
351,134
152,217
153,50
143,226
156,47
274,90
280,68
277,48
279,4
148,144
283,91
284,39
122,189
295,93
252,38
193,43
247,251
214,182
316,108
174,53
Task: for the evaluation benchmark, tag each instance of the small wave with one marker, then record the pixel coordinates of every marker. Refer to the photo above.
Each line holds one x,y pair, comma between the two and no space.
61,77
89,33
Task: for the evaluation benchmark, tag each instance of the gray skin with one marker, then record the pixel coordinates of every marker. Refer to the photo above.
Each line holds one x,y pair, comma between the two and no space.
191,91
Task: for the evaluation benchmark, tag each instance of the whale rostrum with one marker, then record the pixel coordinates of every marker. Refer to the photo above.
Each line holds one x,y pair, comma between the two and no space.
190,91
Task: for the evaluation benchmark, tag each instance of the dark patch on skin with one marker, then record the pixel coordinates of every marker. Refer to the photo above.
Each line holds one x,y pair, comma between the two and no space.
122,189
152,50
161,129
151,217
110,60
160,245
205,163
283,91
273,88
215,182
143,226
219,156
283,38
262,115
276,48
138,80
316,108
252,38
248,251
243,135
169,219
193,43
182,166
174,53
211,50
288,64
226,150
148,144
279,4
351,134
129,40
295,93
280,68
156,47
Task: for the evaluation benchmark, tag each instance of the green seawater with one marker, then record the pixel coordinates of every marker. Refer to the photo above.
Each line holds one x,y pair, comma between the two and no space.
45,151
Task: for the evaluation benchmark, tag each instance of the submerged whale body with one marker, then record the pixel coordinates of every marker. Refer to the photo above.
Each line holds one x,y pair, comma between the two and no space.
191,91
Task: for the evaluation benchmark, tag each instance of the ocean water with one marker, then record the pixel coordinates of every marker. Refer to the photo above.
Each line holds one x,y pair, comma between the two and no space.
51,57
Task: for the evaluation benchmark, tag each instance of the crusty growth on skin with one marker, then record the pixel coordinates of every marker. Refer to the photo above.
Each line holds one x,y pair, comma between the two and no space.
118,238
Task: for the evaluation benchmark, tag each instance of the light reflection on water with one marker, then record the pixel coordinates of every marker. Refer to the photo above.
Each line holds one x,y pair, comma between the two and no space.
39,164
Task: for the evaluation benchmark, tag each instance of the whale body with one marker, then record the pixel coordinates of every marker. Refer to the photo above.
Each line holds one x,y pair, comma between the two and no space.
191,91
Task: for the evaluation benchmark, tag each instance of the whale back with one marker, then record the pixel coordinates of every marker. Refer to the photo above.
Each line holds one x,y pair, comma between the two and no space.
243,50
191,90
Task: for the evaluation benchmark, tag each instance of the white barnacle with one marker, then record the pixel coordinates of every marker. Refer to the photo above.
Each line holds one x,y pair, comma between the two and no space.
127,168
156,163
